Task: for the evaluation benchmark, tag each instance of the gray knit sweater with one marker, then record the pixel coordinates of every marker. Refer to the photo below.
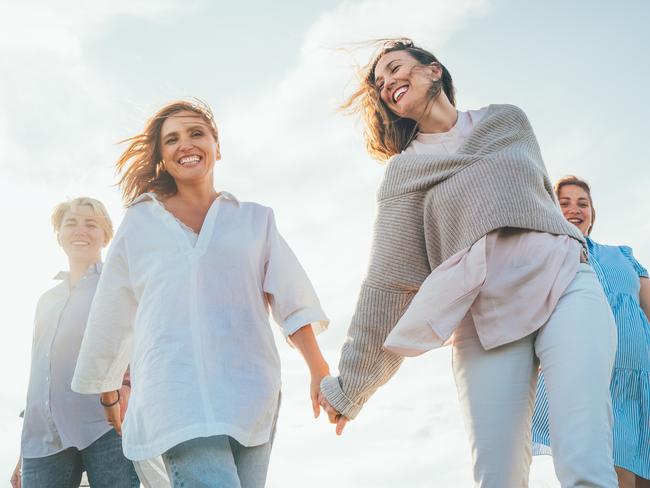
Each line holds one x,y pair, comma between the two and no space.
428,208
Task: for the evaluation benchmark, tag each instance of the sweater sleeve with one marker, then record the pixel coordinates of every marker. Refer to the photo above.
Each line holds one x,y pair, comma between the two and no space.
398,265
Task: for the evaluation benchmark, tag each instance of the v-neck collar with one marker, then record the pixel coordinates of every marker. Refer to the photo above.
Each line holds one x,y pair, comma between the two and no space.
175,225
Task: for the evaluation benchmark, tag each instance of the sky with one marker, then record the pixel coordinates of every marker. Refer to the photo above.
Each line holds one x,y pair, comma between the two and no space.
78,77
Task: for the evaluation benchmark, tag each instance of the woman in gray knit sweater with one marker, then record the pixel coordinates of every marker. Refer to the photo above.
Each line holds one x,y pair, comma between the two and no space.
471,249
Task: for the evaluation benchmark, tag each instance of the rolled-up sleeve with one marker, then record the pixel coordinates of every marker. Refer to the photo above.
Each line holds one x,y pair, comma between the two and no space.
291,295
107,342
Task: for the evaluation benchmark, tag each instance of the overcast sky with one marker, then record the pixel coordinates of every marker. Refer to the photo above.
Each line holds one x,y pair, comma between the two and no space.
77,77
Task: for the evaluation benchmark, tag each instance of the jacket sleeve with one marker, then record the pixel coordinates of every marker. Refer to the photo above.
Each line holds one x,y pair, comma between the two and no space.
398,265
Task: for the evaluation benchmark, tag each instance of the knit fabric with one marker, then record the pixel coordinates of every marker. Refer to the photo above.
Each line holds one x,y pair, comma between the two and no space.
428,208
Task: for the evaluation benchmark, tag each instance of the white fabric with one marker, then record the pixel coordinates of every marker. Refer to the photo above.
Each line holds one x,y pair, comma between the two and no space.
193,320
496,389
152,473
57,418
447,142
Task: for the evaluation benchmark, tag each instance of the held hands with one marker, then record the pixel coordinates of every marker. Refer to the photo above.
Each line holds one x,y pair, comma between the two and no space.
317,374
334,416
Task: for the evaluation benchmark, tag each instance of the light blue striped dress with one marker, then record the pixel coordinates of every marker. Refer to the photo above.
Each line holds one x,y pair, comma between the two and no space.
619,274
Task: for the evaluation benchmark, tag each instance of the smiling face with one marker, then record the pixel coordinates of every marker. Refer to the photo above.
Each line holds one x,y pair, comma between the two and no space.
188,148
404,83
80,235
576,207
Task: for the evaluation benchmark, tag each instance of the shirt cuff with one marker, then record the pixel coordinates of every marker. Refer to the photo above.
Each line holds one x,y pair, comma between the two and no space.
330,387
92,387
298,320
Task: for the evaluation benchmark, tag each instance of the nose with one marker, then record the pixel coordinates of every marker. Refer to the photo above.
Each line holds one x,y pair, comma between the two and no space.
185,145
390,82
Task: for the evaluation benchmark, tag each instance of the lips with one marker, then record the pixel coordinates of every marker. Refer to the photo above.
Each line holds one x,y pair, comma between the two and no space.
80,243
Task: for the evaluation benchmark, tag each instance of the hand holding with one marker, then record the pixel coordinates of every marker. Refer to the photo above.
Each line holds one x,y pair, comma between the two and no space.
334,416
314,388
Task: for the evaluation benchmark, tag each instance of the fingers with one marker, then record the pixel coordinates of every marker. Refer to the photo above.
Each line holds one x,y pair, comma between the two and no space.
332,414
315,405
113,417
340,425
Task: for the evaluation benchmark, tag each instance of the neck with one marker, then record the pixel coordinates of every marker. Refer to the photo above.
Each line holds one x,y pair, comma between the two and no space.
439,116
200,194
78,269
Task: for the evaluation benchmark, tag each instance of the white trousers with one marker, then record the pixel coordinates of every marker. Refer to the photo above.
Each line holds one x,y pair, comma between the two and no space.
496,389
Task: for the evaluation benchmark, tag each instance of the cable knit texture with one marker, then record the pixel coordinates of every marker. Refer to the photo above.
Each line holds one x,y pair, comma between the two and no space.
428,208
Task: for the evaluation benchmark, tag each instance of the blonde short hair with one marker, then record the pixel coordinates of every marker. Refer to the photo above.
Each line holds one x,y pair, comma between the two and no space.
103,219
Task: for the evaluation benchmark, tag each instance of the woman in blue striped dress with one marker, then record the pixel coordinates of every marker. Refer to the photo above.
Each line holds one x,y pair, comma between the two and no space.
627,287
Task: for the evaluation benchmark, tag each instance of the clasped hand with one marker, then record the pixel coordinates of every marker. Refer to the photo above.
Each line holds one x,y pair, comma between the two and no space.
334,416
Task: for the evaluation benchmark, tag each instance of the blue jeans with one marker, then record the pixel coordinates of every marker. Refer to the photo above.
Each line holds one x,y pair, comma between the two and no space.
103,462
217,462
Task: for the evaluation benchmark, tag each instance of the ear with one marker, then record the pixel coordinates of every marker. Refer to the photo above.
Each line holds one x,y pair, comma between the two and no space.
436,69
218,152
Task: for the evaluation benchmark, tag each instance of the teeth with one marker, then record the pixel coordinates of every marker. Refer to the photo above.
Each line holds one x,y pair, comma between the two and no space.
189,160
399,92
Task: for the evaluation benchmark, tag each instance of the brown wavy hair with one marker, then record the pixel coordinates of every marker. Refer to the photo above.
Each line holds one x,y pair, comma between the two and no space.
386,133
579,182
140,165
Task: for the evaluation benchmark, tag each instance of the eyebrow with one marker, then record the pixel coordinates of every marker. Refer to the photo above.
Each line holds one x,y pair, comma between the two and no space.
188,129
569,198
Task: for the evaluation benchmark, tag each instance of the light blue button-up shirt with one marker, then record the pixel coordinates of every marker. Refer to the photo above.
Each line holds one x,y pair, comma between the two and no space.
57,418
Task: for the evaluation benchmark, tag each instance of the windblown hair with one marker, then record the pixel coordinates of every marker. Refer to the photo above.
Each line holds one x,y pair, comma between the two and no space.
579,182
386,133
140,165
99,211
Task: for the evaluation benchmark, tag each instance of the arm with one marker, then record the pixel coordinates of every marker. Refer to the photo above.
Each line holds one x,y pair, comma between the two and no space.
305,341
398,265
294,305
644,296
106,346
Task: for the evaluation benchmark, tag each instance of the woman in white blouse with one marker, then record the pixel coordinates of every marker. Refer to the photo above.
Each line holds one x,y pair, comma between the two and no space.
184,297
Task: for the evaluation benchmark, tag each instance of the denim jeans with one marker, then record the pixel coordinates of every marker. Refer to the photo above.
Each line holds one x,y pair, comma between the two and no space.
103,461
217,462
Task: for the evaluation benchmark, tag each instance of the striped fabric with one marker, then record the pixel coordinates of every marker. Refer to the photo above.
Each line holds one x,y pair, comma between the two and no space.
619,274
430,207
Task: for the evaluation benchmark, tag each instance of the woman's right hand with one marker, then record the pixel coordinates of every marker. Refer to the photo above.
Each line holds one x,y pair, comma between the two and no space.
112,413
16,481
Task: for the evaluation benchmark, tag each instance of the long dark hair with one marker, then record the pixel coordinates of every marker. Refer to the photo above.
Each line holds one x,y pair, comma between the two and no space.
386,133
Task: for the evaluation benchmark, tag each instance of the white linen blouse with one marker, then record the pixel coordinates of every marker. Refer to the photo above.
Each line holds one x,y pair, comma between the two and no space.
193,321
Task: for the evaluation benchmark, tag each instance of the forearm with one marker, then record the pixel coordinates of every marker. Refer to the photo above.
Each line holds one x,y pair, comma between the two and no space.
305,341
365,365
